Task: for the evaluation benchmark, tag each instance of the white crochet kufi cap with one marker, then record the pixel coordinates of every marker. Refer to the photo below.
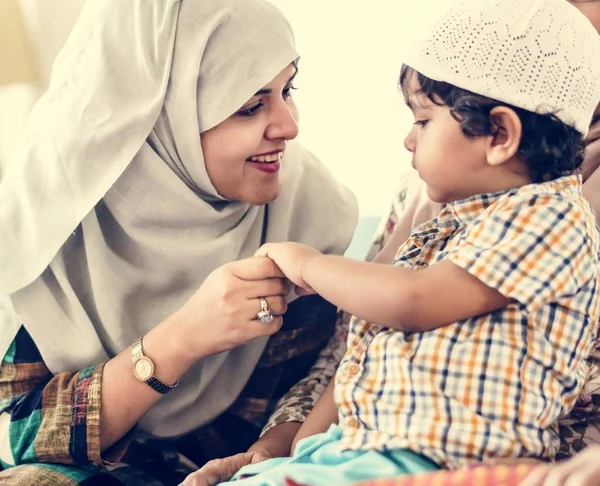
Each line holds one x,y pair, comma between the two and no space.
539,55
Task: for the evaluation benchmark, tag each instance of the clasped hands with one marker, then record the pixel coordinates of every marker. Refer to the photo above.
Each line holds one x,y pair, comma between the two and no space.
292,259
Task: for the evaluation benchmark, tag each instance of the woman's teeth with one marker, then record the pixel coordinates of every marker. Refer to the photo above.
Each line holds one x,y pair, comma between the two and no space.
266,159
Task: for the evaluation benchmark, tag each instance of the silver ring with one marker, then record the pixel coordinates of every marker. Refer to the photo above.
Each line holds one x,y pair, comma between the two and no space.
265,315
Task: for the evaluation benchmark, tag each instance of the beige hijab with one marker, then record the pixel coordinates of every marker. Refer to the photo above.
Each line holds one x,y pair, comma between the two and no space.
108,220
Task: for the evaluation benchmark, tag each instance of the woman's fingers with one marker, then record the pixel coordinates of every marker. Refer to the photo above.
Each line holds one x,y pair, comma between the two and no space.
255,268
581,470
537,476
257,328
277,304
268,287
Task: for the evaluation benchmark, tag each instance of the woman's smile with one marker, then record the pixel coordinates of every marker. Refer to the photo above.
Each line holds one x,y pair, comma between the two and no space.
269,162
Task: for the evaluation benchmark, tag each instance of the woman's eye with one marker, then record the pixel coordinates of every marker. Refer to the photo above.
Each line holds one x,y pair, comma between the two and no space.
253,110
287,91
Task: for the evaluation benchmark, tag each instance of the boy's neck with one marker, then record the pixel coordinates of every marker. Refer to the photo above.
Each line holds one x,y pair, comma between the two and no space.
510,175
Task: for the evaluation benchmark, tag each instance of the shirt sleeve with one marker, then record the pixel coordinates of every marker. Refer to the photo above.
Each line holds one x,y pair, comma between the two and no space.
410,208
532,249
46,417
296,404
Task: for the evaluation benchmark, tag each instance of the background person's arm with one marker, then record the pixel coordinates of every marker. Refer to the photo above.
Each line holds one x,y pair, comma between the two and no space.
322,416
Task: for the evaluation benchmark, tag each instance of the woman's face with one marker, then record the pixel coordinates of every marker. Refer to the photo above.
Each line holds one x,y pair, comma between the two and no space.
591,9
243,153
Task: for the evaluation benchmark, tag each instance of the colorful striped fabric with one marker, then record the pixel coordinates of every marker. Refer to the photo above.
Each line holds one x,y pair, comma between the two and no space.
476,476
49,424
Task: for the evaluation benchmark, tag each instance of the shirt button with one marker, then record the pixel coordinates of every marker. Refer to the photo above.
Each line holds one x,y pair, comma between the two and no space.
353,369
352,422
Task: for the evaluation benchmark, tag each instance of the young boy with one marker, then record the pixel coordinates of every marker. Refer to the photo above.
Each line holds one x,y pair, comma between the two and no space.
473,343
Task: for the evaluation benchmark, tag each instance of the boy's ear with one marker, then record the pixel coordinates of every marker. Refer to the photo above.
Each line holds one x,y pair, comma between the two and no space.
506,138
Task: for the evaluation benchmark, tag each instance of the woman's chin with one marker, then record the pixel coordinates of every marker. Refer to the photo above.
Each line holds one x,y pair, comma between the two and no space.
261,198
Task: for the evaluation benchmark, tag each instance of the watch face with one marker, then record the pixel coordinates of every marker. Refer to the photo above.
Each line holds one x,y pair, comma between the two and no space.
143,368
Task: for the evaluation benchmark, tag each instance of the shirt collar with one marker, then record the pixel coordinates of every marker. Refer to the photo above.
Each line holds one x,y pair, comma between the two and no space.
466,210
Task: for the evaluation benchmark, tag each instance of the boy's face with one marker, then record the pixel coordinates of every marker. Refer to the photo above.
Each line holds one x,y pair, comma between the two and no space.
453,166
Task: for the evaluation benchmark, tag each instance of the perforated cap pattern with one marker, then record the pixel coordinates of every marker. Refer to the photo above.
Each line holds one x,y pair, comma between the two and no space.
539,55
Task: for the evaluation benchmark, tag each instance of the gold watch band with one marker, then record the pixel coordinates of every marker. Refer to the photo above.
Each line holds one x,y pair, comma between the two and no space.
143,369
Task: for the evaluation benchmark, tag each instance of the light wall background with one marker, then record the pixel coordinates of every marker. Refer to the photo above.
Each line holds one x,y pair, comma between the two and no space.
352,115
351,112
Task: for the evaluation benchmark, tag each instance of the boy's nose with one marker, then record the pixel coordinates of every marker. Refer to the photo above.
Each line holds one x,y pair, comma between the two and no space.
410,142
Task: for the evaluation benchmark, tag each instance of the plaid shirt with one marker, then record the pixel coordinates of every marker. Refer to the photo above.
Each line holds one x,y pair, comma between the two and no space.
493,385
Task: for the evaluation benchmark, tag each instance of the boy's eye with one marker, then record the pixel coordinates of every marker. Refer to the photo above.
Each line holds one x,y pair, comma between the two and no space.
287,91
252,110
421,123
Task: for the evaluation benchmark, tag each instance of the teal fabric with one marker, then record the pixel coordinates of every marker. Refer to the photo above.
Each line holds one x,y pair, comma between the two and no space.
363,237
320,461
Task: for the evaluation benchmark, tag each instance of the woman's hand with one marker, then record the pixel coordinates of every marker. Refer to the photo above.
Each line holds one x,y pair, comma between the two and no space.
291,259
222,314
581,470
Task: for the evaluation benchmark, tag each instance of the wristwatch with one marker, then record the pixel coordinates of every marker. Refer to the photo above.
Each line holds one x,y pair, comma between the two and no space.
143,369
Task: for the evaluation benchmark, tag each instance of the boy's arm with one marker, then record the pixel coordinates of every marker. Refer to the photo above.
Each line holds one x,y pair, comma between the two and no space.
401,298
324,414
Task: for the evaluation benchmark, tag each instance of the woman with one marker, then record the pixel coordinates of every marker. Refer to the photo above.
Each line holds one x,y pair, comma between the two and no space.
153,168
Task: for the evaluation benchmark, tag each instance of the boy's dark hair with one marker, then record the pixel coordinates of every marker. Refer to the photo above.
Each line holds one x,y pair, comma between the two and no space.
549,148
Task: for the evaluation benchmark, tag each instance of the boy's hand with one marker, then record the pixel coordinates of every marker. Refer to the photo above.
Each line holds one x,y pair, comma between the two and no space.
291,258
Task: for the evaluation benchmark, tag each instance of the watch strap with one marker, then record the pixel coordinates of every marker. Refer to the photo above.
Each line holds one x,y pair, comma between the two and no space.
153,382
159,386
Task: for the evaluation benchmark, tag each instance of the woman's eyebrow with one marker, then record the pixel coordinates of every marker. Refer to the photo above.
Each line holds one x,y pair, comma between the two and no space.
266,91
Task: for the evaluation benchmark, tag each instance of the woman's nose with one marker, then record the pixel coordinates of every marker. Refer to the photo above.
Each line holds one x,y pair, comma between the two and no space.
284,124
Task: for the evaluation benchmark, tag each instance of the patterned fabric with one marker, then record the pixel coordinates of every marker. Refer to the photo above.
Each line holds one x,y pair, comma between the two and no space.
298,402
49,424
492,385
514,36
582,426
66,405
